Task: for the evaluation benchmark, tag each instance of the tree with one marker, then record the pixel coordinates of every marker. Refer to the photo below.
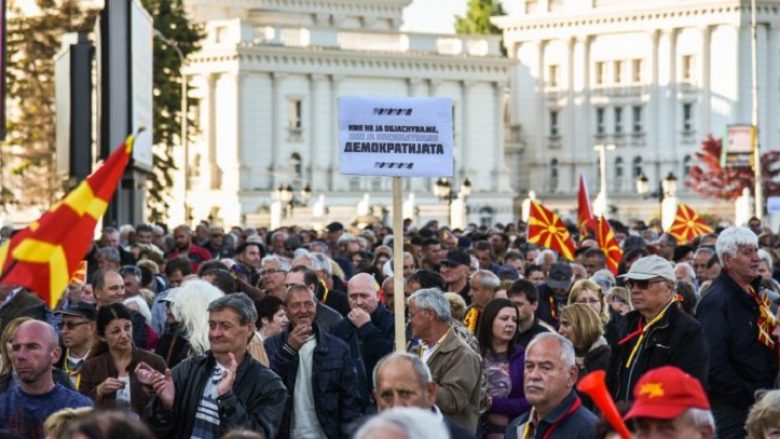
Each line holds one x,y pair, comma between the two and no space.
477,19
171,20
726,183
33,40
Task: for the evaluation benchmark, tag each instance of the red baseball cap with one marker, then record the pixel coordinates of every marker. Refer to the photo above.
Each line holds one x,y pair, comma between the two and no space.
665,393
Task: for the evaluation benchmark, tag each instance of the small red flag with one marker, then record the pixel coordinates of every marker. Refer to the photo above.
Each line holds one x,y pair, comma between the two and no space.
44,256
608,244
688,224
585,219
546,229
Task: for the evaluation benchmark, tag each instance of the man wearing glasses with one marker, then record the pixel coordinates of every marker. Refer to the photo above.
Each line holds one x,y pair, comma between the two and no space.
657,332
78,334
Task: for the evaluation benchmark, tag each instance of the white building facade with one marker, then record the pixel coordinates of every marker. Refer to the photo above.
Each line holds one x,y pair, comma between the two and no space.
269,76
652,78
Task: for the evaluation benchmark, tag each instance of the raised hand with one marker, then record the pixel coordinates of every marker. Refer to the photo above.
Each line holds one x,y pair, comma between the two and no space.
145,373
164,388
358,317
228,376
299,335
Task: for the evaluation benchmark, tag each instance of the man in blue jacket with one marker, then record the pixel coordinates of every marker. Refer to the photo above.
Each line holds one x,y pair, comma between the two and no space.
368,330
317,370
550,375
738,325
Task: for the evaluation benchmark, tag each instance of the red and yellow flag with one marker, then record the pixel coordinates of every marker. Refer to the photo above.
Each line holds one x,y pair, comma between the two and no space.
44,256
546,229
585,218
608,244
687,224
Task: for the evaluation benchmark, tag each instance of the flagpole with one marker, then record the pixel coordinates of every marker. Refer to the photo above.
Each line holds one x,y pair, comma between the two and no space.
759,191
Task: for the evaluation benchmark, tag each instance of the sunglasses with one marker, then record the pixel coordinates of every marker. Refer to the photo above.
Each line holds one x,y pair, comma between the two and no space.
642,284
73,325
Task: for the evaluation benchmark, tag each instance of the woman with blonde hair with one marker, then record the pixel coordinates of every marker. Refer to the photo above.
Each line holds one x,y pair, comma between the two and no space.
763,421
590,293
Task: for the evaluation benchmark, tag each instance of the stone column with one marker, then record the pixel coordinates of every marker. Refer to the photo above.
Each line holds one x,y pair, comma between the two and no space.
318,135
706,99
278,108
332,161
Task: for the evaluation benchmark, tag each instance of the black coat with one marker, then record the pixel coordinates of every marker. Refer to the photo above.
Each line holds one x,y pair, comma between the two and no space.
675,340
334,382
256,402
739,363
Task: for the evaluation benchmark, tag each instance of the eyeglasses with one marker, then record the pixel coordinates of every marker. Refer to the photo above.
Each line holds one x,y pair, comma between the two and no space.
73,325
642,284
271,271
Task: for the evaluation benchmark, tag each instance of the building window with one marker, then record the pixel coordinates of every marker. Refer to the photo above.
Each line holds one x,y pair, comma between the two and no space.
486,216
600,128
618,120
296,165
687,165
636,168
294,115
618,184
687,68
687,117
601,70
554,123
636,119
552,72
636,71
618,74
553,175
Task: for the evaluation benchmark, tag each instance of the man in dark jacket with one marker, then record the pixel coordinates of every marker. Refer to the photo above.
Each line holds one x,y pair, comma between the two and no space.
368,330
222,390
15,302
550,375
737,324
658,333
316,369
554,293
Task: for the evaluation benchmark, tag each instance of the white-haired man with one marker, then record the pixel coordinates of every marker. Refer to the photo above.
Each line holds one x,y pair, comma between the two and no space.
737,324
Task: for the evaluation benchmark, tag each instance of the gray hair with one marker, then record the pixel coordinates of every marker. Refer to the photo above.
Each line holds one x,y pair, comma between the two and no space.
432,299
321,245
238,302
709,250
420,368
732,238
545,253
284,263
110,253
346,238
415,422
604,278
689,271
567,348
320,262
766,258
701,417
486,279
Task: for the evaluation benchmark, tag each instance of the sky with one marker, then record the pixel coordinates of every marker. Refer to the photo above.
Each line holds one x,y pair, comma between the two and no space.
436,16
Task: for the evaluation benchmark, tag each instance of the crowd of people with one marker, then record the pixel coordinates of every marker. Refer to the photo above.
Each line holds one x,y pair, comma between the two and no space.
290,333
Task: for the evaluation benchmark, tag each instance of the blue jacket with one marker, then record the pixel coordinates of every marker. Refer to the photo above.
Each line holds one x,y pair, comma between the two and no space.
367,345
580,424
739,363
334,382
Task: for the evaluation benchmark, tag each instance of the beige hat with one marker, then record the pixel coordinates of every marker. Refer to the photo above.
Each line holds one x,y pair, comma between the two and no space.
650,267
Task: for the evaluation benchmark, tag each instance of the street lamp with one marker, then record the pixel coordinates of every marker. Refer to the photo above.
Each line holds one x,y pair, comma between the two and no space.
286,195
443,191
184,120
666,188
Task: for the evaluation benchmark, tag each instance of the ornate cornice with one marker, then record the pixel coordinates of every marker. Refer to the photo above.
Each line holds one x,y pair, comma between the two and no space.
382,7
305,60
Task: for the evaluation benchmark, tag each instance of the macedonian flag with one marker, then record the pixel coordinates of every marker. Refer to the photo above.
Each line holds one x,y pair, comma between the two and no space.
687,224
585,218
546,229
44,256
608,244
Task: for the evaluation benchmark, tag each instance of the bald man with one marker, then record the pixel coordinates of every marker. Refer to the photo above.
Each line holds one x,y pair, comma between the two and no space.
25,407
368,330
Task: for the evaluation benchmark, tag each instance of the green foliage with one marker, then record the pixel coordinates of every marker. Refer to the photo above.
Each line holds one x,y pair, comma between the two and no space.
170,20
29,150
477,19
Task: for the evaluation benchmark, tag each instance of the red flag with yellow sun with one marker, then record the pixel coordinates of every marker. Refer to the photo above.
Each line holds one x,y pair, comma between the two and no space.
44,256
547,230
608,244
688,224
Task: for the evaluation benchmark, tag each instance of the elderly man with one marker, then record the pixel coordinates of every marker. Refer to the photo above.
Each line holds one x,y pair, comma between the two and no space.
594,259
326,317
549,378
23,409
483,285
738,325
317,371
684,272
222,390
658,332
273,273
669,403
326,292
404,380
368,330
455,271
110,288
455,367
700,260
79,334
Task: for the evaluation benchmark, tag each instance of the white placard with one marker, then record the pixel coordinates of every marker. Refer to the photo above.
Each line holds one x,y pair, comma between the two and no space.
142,48
396,137
773,205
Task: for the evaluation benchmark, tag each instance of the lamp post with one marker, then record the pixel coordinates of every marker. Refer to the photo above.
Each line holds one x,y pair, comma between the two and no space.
286,195
443,190
184,119
600,205
666,189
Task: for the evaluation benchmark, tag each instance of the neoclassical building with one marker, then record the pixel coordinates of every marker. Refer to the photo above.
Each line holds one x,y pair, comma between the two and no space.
653,78
269,77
